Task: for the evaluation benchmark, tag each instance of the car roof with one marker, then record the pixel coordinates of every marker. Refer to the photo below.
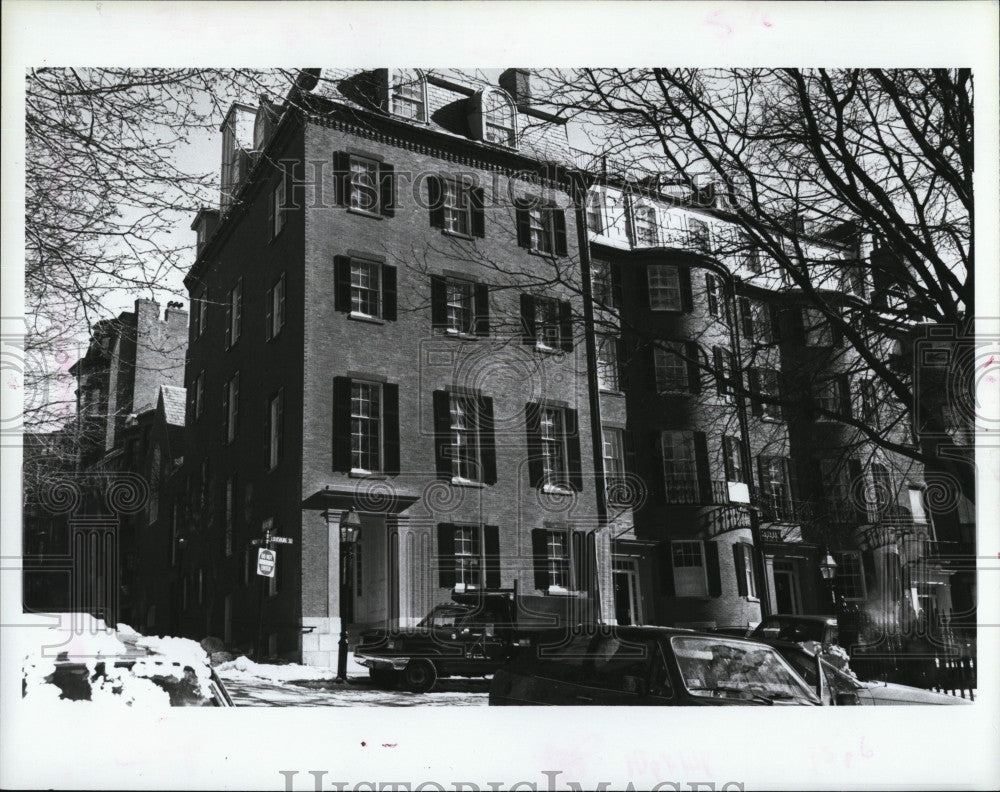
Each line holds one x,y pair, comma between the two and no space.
795,617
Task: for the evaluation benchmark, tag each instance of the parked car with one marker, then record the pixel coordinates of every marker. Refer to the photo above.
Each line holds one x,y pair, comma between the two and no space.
471,636
795,628
837,687
648,666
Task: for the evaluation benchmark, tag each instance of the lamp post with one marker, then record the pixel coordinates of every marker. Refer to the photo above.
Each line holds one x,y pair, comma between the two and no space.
828,568
350,524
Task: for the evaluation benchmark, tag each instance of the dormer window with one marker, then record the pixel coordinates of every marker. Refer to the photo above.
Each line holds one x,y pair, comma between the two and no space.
493,119
408,94
645,226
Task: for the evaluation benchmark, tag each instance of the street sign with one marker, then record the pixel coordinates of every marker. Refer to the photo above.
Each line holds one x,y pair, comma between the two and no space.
266,561
282,540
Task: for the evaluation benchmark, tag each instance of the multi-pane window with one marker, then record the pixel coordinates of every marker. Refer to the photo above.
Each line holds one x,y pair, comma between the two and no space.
644,220
680,467
231,406
836,489
552,422
603,280
278,210
468,569
700,235
274,318
465,464
713,289
688,559
460,306
364,184
557,558
230,509
614,461
725,371
365,289
199,314
817,329
749,254
498,119
540,229
548,322
670,367
408,95
275,415
199,394
366,426
832,399
234,314
457,207
664,287
746,579
607,363
761,328
775,489
882,487
732,450
869,403
595,212
850,578
769,390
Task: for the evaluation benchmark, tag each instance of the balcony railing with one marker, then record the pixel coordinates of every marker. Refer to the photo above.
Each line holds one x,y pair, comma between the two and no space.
680,489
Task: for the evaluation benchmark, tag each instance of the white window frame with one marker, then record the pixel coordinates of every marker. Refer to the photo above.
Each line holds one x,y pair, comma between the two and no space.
644,223
499,131
668,360
367,426
688,584
778,493
402,94
456,206
548,323
613,452
735,467
541,230
555,452
460,306
466,444
608,375
680,473
366,297
664,285
857,577
748,571
363,173
557,559
468,556
596,223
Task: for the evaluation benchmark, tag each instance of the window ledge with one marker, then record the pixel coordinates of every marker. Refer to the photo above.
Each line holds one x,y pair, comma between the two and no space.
752,599
365,213
360,317
556,489
541,253
457,234
369,474
611,391
450,333
546,349
464,482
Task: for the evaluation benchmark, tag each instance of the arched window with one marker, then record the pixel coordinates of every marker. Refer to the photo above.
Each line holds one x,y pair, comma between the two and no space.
645,225
498,118
408,94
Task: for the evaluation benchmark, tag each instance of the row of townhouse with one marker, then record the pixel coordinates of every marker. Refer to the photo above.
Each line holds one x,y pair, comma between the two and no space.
407,306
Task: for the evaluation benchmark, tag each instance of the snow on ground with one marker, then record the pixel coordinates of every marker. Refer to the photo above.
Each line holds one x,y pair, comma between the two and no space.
242,668
253,692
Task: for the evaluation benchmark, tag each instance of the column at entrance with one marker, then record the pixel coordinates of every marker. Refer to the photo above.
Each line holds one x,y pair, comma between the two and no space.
322,632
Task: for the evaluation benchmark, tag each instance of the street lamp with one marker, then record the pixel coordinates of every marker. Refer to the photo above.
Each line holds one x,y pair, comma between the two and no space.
828,568
350,525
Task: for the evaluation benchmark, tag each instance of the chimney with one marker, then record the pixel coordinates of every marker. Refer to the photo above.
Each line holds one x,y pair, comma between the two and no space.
175,314
146,310
517,82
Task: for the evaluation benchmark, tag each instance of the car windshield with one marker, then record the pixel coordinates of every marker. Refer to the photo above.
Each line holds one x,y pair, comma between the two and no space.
713,667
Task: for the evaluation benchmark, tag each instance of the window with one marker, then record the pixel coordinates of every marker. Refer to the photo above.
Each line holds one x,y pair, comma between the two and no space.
688,560
670,366
746,578
765,387
231,402
817,328
366,426
835,480
595,211
234,314
664,287
365,288
199,394
465,422
832,399
732,450
854,281
364,185
606,290
614,463
541,228
549,322
457,206
274,318
645,226
775,489
849,580
408,95
277,210
749,254
885,493
758,322
607,363
274,429
467,556
199,314
713,290
557,559
680,467
700,235
725,372
459,307
230,508
869,403
498,119
553,437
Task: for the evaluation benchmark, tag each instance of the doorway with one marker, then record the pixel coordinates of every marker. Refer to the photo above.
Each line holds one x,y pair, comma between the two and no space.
787,591
628,601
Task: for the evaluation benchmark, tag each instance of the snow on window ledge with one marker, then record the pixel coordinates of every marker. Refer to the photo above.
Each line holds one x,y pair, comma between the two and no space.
556,489
458,481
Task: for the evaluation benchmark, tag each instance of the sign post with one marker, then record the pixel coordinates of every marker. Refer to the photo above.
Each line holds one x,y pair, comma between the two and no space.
267,560
267,565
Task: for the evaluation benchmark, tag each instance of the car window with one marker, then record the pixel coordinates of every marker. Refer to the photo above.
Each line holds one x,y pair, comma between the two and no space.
613,663
838,681
659,678
804,664
444,616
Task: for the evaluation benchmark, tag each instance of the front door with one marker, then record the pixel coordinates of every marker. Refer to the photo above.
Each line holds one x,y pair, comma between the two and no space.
787,593
628,604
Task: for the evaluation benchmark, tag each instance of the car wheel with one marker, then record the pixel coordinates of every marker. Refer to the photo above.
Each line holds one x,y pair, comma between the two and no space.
419,676
383,677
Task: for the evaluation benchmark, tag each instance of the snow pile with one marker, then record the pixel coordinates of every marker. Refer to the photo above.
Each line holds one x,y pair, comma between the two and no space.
242,668
178,650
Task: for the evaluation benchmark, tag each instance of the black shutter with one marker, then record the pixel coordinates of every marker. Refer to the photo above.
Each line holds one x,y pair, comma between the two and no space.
532,417
794,330
387,190
739,557
684,276
435,201
523,227
527,319
693,353
775,316
665,561
703,467
491,544
565,326
446,555
539,555
271,209
655,482
836,332
390,426
342,424
628,441
482,308
719,366
621,355
478,201
573,460
268,314
342,283
746,316
487,440
754,383
442,433
844,392
712,568
342,178
388,293
439,303
559,231
578,558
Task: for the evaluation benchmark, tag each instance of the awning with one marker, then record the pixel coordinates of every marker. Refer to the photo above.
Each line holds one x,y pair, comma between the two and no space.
340,497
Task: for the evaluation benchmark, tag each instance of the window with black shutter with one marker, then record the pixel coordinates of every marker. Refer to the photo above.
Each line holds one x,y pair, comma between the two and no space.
364,184
540,228
364,288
